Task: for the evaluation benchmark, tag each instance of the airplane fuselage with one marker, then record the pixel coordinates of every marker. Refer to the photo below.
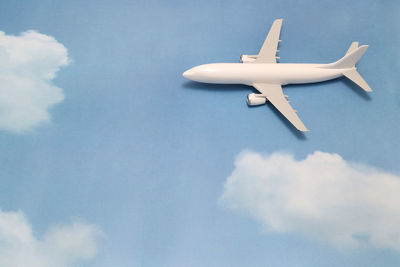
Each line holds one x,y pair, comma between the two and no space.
267,76
251,73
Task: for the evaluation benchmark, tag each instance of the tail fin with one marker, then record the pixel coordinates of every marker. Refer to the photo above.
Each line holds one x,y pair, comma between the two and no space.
350,59
348,62
353,46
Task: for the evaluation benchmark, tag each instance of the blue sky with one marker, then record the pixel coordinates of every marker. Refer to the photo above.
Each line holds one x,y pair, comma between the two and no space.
142,153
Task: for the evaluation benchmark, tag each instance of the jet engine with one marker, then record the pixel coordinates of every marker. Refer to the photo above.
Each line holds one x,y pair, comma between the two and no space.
256,99
248,58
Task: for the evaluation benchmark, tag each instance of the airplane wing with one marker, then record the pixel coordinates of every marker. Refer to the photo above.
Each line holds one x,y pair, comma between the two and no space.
274,93
268,51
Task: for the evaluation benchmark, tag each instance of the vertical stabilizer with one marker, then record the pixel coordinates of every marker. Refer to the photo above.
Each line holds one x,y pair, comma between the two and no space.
352,56
348,64
353,46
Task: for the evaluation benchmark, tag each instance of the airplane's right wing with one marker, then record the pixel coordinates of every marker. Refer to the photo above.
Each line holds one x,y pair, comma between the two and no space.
268,51
273,92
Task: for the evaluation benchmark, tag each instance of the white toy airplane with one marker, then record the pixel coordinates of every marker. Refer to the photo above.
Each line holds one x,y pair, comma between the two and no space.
267,76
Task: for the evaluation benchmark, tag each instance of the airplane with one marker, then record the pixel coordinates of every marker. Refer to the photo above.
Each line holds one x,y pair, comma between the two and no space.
267,76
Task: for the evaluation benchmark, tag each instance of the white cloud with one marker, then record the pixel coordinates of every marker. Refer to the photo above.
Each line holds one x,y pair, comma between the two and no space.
28,63
322,197
61,246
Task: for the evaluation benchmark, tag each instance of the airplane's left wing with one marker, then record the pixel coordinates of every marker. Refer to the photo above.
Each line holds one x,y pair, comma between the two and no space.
268,51
274,93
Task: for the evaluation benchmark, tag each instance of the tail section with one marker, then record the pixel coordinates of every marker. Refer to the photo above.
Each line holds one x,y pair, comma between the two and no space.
348,63
350,59
353,46
357,79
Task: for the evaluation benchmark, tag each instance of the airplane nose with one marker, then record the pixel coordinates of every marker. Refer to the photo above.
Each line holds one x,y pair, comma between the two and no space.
188,74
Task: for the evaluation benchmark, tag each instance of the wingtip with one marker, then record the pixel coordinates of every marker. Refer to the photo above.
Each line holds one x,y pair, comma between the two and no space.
302,128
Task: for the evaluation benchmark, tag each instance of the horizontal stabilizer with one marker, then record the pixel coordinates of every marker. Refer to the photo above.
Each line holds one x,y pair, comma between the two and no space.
357,79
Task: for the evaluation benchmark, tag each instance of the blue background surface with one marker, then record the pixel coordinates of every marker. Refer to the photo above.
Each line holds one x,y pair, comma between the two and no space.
143,153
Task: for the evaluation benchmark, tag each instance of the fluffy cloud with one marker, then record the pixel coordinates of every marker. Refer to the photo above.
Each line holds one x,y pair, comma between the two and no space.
322,197
61,245
28,63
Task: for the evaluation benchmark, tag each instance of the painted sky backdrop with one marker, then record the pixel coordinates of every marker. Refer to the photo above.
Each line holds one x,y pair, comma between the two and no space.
142,153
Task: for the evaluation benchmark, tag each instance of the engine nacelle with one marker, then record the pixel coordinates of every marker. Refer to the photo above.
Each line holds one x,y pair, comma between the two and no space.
256,99
248,58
